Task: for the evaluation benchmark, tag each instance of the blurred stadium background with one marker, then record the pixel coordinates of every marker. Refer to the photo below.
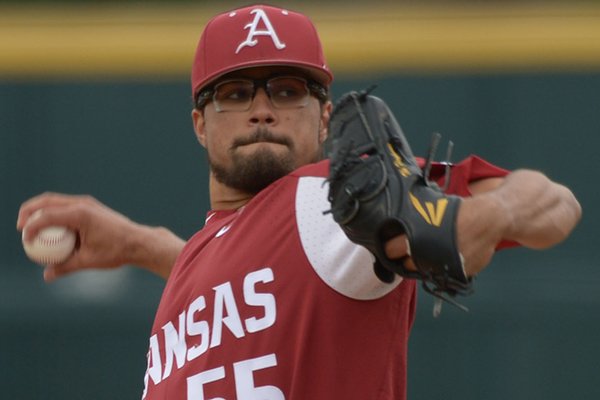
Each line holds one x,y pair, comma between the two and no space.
94,98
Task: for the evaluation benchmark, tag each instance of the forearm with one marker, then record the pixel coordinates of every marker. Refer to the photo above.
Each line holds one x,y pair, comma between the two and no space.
525,207
154,249
540,213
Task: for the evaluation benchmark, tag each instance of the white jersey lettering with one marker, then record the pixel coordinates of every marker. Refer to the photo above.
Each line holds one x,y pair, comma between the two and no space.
174,345
192,329
197,328
264,300
225,302
154,367
195,383
244,379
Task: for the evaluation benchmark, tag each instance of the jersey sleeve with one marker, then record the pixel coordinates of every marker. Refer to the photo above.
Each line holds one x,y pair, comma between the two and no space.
471,169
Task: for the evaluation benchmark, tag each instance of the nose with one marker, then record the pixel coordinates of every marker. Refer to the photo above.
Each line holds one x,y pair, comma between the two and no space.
261,110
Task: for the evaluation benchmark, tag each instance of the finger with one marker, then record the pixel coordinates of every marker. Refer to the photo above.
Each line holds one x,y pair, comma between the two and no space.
49,273
409,264
397,247
52,273
55,271
44,200
69,217
34,204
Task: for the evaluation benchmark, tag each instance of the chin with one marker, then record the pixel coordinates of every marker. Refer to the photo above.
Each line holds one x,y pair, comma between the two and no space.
256,167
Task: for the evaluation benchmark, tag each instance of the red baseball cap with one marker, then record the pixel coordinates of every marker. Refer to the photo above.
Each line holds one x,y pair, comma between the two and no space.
254,36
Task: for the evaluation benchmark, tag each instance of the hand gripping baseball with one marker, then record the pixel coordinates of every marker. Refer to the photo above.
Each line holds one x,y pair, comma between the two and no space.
51,245
377,191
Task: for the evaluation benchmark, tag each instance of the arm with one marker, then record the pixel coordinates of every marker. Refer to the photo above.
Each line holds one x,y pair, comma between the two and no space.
525,207
107,239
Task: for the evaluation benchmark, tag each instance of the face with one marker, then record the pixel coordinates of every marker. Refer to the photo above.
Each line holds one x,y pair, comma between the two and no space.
248,150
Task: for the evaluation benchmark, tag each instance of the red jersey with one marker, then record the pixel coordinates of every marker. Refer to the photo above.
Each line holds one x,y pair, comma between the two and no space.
272,302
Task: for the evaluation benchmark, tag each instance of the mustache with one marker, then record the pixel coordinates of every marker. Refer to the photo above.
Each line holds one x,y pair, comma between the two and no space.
261,135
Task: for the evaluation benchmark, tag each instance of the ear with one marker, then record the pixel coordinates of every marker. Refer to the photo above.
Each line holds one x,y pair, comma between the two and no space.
199,126
325,114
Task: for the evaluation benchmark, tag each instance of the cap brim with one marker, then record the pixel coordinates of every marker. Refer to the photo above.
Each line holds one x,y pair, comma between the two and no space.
318,74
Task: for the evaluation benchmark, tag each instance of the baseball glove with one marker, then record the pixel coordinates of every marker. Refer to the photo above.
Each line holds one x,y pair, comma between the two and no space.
378,191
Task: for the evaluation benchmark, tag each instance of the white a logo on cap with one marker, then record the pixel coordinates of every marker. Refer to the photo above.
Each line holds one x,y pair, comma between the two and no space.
251,40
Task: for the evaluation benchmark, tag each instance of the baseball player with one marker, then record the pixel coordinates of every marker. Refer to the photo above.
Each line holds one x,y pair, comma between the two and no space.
271,299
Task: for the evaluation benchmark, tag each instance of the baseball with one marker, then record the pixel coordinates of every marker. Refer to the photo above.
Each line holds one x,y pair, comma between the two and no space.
52,245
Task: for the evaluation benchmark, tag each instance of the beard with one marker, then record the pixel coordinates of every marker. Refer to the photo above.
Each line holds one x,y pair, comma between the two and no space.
254,172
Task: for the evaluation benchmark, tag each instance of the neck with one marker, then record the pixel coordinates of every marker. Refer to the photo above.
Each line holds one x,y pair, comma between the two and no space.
223,197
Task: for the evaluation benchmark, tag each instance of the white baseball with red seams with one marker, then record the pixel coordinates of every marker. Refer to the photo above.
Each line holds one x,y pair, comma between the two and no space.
52,245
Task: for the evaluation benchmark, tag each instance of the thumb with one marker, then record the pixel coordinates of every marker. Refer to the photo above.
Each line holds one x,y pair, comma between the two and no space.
55,271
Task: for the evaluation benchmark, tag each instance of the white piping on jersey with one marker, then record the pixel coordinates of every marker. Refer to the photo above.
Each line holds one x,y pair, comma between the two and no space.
209,217
223,230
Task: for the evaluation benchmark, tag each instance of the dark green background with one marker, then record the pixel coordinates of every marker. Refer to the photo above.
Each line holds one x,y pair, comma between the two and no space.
533,329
